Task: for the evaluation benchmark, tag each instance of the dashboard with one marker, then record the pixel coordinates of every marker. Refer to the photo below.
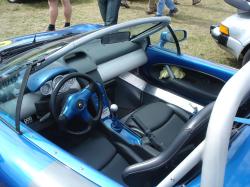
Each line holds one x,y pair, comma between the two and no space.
102,65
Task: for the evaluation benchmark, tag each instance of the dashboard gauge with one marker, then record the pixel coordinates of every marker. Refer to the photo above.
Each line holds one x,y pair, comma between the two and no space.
56,80
46,89
71,81
69,84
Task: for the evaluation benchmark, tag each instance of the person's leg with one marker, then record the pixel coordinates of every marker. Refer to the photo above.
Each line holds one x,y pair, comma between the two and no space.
112,12
103,9
67,12
160,8
151,7
53,13
170,4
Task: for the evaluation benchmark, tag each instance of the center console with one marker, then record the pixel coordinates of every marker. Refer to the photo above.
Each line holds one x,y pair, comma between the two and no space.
140,144
120,129
110,120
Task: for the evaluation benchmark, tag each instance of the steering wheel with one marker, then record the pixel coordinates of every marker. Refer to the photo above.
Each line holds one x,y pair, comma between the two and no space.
76,104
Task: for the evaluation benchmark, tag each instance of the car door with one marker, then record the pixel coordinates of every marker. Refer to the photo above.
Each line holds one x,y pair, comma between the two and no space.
190,77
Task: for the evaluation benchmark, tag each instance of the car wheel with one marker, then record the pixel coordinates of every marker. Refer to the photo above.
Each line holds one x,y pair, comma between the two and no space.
246,57
14,1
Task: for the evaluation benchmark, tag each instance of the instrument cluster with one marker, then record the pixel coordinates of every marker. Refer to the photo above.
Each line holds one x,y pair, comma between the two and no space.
49,86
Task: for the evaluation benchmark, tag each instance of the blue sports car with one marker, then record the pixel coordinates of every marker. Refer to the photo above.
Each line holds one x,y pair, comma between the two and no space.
120,106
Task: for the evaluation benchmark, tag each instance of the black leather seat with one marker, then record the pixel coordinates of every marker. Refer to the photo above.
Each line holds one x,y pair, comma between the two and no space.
177,136
97,151
159,121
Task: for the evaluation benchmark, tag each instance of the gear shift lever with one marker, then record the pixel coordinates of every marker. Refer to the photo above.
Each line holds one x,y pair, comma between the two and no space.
115,124
114,109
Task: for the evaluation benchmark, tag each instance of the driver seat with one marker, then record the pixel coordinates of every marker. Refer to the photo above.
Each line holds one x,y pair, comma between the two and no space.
176,137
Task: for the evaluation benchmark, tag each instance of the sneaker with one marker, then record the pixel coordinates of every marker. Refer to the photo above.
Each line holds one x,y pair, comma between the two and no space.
150,11
195,2
67,24
171,13
51,28
125,5
176,2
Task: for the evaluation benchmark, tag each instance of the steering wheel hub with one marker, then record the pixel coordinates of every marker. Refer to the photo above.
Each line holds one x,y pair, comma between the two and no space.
80,104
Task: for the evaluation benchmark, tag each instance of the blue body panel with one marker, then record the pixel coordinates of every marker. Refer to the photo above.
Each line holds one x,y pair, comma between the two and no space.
19,157
44,36
237,169
160,56
122,131
23,157
37,79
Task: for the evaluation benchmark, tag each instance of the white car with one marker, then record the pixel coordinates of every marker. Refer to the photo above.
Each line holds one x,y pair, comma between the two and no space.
15,1
233,34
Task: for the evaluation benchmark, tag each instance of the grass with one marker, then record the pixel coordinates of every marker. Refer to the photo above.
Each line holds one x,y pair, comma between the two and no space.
30,17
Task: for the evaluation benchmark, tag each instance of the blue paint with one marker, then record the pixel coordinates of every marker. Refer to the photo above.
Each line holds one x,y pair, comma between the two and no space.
104,97
19,157
237,170
44,36
164,38
71,108
36,153
123,132
242,120
37,79
158,55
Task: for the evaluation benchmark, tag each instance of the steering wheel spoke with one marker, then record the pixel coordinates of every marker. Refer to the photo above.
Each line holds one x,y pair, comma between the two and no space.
86,93
86,116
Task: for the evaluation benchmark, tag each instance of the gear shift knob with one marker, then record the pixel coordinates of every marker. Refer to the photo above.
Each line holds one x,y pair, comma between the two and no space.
114,108
115,121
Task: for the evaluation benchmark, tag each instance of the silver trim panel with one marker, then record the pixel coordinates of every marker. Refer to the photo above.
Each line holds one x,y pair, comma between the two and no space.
125,63
57,175
166,96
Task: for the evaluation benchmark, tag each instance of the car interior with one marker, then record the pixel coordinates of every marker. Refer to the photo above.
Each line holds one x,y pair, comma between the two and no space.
140,123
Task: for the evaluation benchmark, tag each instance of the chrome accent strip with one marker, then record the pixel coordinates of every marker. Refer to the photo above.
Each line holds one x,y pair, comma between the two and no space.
164,95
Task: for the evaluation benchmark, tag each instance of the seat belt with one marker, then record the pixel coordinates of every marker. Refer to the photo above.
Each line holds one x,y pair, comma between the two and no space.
152,138
242,120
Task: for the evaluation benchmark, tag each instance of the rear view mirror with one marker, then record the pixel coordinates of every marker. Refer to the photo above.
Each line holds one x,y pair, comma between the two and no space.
168,37
115,37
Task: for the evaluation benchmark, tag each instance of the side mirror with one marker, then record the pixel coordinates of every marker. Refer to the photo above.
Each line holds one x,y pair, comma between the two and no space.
168,37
